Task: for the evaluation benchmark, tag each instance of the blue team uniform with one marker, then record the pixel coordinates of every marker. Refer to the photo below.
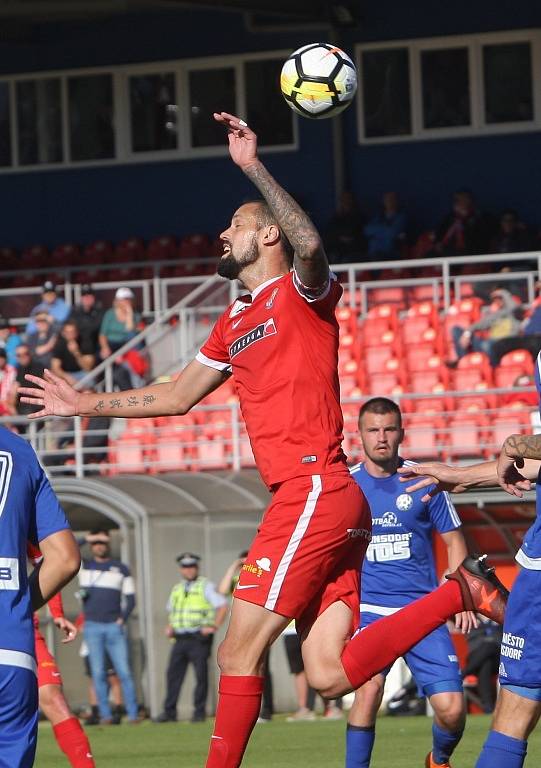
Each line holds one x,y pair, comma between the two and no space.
29,511
520,655
399,568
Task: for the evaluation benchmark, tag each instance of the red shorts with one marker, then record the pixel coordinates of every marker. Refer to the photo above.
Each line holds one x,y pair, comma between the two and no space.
309,548
48,672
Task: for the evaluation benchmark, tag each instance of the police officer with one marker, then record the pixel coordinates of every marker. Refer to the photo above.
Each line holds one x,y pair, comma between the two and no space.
196,610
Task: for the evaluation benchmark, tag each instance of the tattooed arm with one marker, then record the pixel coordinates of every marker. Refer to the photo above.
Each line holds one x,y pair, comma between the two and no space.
310,261
57,398
516,451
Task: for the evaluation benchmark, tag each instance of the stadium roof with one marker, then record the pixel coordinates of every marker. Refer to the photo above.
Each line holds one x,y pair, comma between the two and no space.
337,12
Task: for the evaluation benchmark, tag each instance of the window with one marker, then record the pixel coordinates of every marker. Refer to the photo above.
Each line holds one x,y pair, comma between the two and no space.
507,71
211,90
446,88
91,131
386,92
5,132
39,121
266,109
153,112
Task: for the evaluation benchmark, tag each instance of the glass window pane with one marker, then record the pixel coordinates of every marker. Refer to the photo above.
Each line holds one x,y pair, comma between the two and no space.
91,130
446,88
39,121
153,112
5,133
508,82
267,111
386,93
211,90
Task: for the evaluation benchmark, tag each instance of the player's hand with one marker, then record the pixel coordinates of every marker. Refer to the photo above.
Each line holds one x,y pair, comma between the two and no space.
55,396
441,476
242,140
70,630
465,621
169,631
206,631
509,477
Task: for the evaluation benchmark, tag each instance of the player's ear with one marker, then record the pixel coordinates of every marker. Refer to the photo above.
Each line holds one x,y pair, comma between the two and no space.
401,435
271,234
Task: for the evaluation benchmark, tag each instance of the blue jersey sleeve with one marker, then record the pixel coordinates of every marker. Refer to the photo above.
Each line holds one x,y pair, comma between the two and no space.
443,514
48,517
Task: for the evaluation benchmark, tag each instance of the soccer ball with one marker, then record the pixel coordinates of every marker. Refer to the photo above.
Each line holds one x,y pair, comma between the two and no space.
318,80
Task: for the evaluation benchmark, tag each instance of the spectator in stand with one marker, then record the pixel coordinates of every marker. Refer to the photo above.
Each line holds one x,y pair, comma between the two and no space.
8,376
483,660
50,303
25,364
386,232
88,315
512,235
499,321
118,326
344,239
465,230
43,340
529,336
72,357
9,340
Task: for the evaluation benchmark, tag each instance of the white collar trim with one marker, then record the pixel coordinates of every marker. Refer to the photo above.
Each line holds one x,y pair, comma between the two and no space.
264,285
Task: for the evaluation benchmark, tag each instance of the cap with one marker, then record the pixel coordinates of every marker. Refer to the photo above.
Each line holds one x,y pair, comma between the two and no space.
86,289
47,286
188,558
124,293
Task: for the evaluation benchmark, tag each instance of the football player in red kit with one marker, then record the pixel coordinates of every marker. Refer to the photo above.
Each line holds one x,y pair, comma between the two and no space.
280,343
67,729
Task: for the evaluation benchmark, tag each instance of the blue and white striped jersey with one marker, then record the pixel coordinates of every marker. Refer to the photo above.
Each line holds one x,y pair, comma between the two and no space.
399,563
29,511
529,555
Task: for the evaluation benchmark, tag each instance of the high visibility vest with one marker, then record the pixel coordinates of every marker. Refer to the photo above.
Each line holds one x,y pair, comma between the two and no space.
190,610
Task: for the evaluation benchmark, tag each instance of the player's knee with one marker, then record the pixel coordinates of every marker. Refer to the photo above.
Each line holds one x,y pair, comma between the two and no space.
328,681
450,711
371,692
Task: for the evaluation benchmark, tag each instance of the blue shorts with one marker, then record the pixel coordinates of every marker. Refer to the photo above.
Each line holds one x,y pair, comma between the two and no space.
18,717
520,654
433,661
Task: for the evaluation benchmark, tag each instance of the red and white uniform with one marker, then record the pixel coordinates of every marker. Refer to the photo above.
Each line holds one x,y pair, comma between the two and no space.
48,672
281,345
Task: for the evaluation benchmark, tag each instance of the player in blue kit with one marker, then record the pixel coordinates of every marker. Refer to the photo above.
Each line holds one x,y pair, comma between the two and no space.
518,707
399,568
29,511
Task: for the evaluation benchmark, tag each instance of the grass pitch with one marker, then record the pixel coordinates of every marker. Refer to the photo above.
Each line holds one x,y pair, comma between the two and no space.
402,742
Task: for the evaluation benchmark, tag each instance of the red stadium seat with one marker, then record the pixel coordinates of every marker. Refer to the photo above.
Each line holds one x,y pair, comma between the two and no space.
472,370
35,256
421,438
465,436
375,358
98,252
431,380
195,246
395,295
9,258
66,255
131,249
163,248
422,358
518,358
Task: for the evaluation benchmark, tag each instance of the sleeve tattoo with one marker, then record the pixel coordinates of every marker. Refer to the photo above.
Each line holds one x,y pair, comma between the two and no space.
524,446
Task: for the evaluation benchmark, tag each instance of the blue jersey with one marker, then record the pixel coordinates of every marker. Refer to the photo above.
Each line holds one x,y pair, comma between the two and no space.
29,511
529,555
399,564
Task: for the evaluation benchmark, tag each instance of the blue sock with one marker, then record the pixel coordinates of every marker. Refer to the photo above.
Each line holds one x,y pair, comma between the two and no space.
444,743
500,751
359,743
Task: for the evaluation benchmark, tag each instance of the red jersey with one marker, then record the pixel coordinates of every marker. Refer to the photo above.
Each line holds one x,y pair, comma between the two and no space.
282,348
55,603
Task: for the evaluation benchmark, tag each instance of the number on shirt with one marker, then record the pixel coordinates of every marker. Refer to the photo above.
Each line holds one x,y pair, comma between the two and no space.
6,469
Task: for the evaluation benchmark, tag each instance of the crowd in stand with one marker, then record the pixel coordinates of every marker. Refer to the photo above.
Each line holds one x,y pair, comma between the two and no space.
69,341
465,230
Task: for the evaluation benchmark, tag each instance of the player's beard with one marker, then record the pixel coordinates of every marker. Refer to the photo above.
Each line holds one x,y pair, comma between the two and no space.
231,267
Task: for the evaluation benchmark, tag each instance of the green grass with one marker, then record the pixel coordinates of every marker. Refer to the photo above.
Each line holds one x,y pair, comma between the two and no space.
402,742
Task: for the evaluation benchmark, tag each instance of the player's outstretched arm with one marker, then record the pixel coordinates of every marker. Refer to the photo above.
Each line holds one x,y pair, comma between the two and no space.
443,477
61,561
310,260
57,398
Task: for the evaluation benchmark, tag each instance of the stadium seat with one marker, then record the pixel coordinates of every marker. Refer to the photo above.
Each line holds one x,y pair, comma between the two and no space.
35,256
195,246
163,248
9,258
421,439
395,295
131,249
465,436
375,358
66,255
472,370
431,380
385,384
422,357
518,358
98,252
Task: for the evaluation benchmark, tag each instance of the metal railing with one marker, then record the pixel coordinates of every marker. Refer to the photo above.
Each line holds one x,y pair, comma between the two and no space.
214,436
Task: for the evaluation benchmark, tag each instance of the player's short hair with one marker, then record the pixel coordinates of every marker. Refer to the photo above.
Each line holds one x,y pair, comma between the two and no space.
264,218
380,405
96,531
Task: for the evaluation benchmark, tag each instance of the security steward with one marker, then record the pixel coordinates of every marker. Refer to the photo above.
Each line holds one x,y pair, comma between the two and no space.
196,610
